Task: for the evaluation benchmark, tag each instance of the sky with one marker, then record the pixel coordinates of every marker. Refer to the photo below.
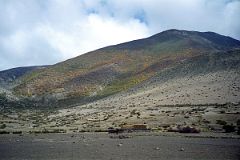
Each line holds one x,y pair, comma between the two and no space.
42,32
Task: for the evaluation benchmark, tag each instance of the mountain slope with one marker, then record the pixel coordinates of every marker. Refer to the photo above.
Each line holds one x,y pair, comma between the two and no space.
117,68
10,75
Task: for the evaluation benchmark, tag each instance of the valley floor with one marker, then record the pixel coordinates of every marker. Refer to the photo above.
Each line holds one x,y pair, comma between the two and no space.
207,102
207,118
100,146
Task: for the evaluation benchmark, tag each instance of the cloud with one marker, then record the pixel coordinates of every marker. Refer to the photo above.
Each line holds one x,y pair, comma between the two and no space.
36,32
95,32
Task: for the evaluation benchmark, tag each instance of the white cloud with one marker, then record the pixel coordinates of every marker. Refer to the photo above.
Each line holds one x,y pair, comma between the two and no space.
91,34
16,42
36,32
231,14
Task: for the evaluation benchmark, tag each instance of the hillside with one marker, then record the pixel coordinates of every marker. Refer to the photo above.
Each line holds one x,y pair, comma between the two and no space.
10,75
174,78
117,68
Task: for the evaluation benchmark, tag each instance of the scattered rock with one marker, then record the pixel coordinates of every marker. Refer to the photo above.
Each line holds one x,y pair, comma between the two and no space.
123,136
157,148
120,144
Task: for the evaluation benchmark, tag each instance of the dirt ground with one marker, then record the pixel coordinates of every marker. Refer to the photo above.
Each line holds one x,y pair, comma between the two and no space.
100,146
206,102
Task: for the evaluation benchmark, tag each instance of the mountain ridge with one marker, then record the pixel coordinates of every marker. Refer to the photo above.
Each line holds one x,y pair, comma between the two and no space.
120,67
9,75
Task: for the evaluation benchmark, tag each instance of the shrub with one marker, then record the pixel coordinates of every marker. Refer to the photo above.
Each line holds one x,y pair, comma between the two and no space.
100,130
2,126
229,128
206,121
222,112
54,131
31,132
221,122
4,132
3,98
17,132
238,122
189,130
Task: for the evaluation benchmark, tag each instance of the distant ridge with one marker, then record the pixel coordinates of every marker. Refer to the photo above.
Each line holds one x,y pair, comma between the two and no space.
10,75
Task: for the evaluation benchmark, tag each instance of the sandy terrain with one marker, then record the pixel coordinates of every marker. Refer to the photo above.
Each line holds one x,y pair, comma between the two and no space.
100,146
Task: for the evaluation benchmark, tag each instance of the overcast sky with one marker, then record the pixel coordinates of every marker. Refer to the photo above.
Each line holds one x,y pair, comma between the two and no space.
39,32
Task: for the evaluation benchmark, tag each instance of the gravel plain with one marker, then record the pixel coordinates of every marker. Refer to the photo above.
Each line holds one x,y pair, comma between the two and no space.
101,146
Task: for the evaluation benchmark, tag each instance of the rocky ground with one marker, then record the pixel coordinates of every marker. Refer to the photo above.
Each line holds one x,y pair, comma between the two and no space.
101,146
207,102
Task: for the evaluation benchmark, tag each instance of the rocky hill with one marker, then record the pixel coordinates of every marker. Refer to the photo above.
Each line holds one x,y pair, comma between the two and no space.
128,67
172,79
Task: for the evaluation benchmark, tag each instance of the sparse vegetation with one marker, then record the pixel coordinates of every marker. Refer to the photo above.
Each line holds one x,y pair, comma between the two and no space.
4,132
188,129
229,128
2,126
238,122
164,84
17,132
221,122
